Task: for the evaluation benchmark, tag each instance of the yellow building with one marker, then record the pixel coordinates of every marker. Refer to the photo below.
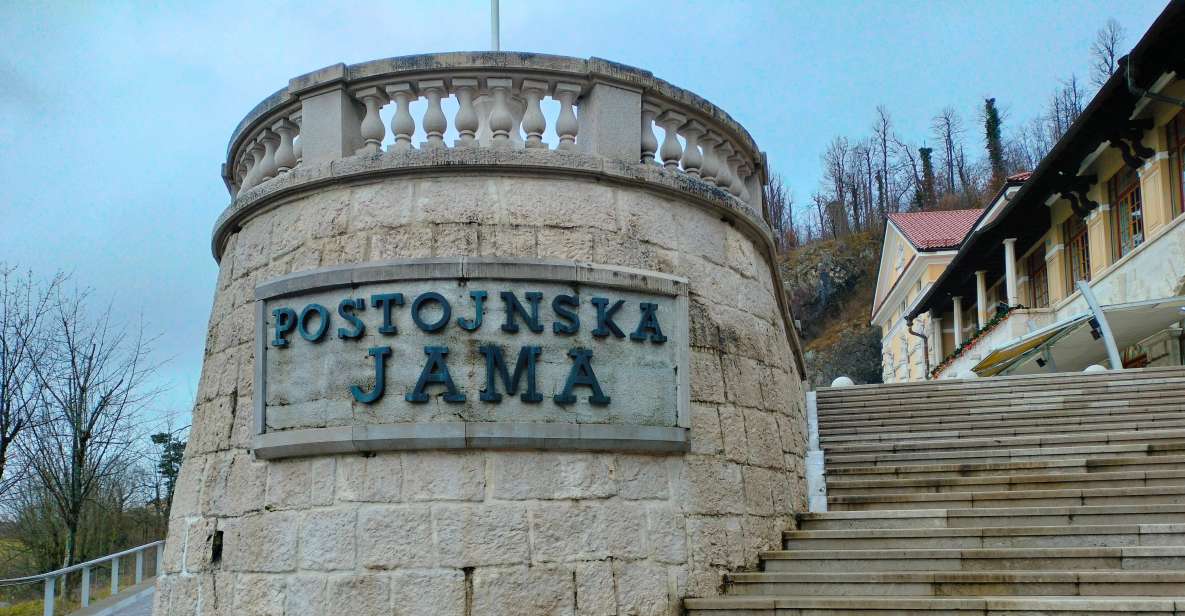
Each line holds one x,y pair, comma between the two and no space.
1104,208
916,250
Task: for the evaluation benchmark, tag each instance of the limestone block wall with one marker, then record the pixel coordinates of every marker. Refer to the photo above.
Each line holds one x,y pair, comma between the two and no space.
491,531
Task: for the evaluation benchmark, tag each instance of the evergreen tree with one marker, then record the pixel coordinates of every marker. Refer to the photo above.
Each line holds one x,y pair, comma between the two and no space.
928,197
995,147
168,466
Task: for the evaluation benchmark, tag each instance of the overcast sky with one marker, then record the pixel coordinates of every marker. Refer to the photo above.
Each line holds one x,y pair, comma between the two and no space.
114,116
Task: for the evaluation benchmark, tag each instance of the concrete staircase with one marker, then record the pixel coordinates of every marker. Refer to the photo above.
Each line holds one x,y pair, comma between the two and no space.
1060,495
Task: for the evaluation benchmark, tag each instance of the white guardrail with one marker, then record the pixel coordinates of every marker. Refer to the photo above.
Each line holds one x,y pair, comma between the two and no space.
50,579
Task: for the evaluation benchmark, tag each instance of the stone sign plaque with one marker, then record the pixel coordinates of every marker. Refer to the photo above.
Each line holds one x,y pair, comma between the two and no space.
468,352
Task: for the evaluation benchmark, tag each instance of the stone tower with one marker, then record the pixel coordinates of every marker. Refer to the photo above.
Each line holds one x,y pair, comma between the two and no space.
481,344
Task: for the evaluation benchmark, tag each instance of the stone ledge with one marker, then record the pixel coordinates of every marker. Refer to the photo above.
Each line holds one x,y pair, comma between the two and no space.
476,160
473,268
457,435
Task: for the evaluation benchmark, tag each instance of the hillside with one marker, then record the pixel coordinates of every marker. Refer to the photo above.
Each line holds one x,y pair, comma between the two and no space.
830,284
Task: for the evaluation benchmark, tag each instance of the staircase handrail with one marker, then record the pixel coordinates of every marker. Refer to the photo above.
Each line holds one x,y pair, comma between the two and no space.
50,578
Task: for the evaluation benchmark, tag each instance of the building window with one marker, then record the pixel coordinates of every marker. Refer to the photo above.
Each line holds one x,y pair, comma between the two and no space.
1077,251
1038,278
1176,130
1127,211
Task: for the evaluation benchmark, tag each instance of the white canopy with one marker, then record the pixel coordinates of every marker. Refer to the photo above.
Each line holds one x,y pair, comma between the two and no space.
1071,345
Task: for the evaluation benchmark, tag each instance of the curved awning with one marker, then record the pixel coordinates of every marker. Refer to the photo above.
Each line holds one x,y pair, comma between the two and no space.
1070,345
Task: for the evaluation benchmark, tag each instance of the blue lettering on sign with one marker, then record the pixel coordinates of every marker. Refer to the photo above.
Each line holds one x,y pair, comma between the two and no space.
313,321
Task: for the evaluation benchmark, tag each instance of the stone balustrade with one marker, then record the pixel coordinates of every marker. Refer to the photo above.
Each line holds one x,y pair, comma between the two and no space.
422,105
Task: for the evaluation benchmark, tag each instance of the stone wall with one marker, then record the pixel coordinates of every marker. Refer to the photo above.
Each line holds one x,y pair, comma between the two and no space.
488,531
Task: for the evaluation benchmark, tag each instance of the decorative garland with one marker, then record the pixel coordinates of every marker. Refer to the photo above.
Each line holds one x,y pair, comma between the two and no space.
992,323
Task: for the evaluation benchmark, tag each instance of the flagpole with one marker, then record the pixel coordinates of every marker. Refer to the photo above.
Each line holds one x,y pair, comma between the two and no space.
495,41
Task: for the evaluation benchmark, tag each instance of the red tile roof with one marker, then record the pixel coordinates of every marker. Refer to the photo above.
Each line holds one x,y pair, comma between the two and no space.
1023,176
936,230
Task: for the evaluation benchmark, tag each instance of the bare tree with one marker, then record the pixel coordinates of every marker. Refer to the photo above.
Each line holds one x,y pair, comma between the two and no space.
1105,52
912,171
882,135
780,201
948,130
837,161
22,348
866,179
821,210
94,385
1065,107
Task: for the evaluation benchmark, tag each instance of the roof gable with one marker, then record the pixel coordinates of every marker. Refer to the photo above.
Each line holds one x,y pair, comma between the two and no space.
896,255
935,230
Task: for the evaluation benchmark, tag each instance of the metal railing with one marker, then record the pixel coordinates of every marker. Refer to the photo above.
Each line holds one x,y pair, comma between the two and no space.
50,579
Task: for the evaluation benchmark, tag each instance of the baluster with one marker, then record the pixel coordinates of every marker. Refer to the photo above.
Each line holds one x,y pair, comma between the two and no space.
723,174
139,566
649,141
483,104
297,143
159,562
270,141
501,121
671,150
402,125
254,170
285,154
518,107
372,124
735,185
566,126
707,170
244,170
466,119
743,173
533,121
434,121
692,160
114,576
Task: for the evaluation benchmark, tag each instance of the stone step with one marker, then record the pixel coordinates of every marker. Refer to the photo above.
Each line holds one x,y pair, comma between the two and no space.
1139,393
979,411
1003,454
1109,535
1154,421
1009,382
1032,467
1136,396
1042,494
943,419
920,388
1035,382
1013,442
936,606
962,583
1153,495
973,406
1008,517
1006,483
1008,559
